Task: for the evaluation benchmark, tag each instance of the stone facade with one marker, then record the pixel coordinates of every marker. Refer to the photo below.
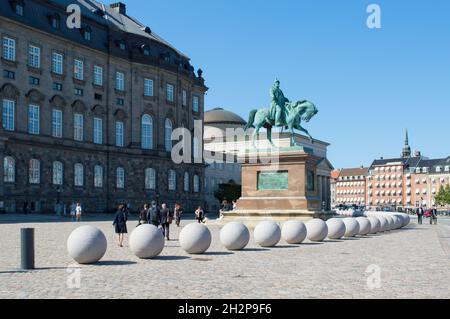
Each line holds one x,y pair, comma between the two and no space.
351,186
162,64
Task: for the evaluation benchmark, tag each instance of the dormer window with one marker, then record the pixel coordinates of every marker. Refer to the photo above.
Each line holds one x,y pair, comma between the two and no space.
55,21
122,45
145,49
87,33
18,7
438,169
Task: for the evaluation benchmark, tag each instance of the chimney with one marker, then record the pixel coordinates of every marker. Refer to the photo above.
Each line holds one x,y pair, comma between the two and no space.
119,7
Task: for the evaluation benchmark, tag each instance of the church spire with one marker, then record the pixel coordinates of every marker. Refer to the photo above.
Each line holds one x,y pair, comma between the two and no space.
406,149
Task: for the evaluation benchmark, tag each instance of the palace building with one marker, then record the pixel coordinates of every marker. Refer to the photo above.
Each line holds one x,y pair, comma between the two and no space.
88,113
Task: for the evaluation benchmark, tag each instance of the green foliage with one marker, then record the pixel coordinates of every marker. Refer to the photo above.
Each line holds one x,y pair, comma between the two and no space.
443,196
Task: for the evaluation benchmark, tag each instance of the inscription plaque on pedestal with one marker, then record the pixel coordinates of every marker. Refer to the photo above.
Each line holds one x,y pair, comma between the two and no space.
273,181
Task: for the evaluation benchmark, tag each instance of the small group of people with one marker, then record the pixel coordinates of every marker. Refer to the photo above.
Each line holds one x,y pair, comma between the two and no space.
432,214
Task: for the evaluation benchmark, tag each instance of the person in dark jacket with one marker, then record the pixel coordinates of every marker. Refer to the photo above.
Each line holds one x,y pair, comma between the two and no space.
143,215
120,223
154,215
166,220
434,216
420,212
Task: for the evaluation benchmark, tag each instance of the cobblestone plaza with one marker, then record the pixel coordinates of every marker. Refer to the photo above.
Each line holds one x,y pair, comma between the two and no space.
413,264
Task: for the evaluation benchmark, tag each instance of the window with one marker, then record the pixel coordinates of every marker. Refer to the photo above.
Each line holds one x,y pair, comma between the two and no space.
57,63
146,50
78,92
196,184
120,183
98,176
34,172
447,168
8,114
98,130
195,104
148,87
120,101
98,75
147,132
78,70
119,134
87,34
122,45
57,86
168,135
172,182
57,173
98,97
9,170
120,81
186,182
57,123
150,179
9,49
78,127
55,21
79,175
196,148
9,74
170,90
33,119
438,169
34,81
19,8
184,98
34,56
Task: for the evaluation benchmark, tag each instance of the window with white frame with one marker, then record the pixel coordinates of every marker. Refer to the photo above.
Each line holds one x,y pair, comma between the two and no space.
57,63
78,127
186,182
120,81
98,176
447,168
150,179
120,183
147,132
9,49
119,134
78,69
9,170
33,119
98,75
98,130
172,180
168,135
34,56
56,123
170,93
8,115
184,94
57,173
148,87
79,175
34,171
196,184
195,104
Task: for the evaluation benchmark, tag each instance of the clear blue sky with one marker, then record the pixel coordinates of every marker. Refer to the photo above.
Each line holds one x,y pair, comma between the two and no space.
369,85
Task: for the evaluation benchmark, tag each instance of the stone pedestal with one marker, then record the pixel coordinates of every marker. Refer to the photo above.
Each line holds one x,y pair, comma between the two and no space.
280,187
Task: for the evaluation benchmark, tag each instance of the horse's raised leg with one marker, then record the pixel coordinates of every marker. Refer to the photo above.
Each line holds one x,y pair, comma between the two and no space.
269,136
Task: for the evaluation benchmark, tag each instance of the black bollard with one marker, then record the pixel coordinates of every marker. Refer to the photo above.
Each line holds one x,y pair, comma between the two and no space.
27,248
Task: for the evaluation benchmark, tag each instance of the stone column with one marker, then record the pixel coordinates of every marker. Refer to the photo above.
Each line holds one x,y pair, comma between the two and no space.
328,179
2,190
320,189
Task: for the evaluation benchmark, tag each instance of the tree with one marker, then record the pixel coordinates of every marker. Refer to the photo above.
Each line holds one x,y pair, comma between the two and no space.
229,192
443,196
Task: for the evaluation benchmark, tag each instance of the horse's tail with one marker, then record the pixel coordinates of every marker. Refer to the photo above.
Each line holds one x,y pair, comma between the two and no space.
251,120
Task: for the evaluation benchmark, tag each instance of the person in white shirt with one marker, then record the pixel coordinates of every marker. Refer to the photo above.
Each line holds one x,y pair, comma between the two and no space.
78,212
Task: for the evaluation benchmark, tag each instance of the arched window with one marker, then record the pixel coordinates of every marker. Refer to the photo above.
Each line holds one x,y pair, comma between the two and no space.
9,170
168,135
34,171
98,176
79,175
172,180
150,179
196,184
147,132
120,182
57,173
186,182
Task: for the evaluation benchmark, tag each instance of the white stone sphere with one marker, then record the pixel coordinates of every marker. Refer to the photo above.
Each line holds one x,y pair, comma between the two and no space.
375,225
267,234
336,228
146,241
364,226
195,238
384,224
390,222
406,220
398,221
87,245
352,227
317,230
294,232
234,236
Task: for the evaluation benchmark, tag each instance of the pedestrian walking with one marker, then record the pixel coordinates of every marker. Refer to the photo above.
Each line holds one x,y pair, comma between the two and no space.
143,215
78,212
154,215
166,220
177,213
420,213
434,216
120,224
200,215
73,209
